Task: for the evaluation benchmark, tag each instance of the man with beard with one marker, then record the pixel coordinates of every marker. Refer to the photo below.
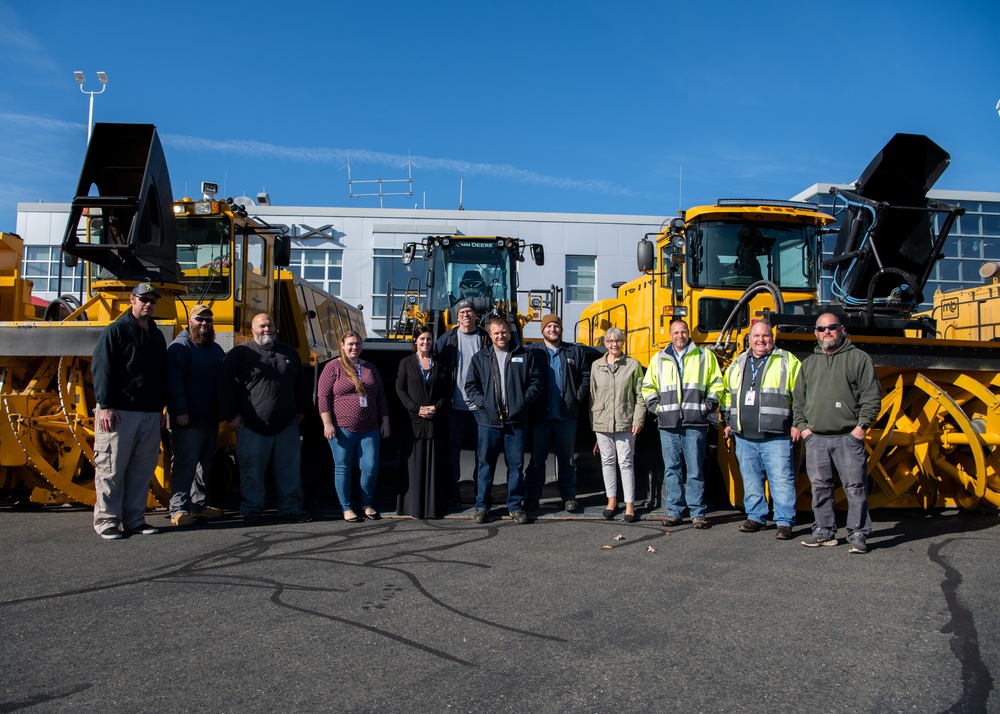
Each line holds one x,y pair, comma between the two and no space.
128,369
836,398
194,362
757,404
456,348
262,397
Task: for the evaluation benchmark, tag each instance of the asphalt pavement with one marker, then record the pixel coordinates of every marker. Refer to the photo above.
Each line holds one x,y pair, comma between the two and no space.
558,615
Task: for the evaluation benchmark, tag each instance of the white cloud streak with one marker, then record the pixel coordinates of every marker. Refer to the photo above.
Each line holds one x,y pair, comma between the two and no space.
258,149
41,122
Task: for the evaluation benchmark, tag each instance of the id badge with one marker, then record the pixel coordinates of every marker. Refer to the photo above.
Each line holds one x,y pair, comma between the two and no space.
364,400
751,397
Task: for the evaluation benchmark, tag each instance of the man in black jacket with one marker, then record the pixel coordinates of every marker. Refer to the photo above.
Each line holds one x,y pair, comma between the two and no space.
503,382
128,371
553,426
455,349
262,397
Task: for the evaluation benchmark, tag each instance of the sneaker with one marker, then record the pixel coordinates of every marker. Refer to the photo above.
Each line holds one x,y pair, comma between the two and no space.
818,539
672,521
700,522
209,513
144,529
571,505
520,517
784,533
750,526
858,545
480,516
111,533
182,518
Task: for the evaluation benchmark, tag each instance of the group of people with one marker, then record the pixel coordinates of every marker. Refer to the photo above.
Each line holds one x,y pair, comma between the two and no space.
481,385
257,388
768,400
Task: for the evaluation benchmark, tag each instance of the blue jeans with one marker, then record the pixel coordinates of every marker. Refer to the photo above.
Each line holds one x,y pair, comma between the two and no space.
193,450
254,451
771,457
350,447
509,440
460,423
686,443
558,435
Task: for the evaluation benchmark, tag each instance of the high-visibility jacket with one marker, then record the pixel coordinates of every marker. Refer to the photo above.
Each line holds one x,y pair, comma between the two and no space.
774,392
682,398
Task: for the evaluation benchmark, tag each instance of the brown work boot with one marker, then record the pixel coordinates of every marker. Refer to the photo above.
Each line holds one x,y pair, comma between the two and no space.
750,526
182,518
209,513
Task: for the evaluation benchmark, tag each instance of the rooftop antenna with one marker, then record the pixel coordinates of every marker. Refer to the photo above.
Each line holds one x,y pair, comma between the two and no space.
680,188
461,189
382,193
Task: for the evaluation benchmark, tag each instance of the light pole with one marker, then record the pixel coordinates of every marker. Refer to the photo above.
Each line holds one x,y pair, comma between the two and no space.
103,79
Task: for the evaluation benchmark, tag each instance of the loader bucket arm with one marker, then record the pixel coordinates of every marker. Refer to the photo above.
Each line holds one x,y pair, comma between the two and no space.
125,164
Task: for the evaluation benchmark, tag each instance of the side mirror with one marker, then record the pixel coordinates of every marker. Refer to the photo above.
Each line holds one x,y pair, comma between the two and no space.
70,261
282,250
644,256
409,251
538,253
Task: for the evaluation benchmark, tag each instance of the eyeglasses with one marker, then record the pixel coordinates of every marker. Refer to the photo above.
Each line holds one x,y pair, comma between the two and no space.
612,341
203,319
144,299
832,328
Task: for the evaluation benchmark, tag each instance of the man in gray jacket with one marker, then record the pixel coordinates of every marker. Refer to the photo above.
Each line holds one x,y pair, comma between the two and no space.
836,398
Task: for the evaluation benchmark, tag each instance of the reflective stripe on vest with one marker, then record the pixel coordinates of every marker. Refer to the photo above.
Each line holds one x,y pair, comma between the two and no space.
775,403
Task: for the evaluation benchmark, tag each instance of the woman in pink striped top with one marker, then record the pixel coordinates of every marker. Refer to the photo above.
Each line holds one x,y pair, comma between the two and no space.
355,417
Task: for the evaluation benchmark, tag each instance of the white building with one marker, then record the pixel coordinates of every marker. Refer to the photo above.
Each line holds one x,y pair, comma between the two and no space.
355,252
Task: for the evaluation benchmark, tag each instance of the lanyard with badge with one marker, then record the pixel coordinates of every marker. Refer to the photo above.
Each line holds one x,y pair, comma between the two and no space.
751,396
363,398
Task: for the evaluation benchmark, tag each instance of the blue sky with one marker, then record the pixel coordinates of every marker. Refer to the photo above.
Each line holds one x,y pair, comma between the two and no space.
582,107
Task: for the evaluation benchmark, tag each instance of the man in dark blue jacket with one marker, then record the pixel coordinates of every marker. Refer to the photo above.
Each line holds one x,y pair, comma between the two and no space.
503,382
194,364
128,372
553,425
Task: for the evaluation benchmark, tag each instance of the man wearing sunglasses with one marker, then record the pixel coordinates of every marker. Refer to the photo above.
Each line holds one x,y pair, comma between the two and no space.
194,363
128,372
837,396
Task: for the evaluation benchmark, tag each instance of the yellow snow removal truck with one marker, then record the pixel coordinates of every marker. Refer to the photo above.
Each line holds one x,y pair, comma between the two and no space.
127,229
721,267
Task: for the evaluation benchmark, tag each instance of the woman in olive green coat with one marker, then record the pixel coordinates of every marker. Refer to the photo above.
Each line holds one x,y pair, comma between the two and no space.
617,412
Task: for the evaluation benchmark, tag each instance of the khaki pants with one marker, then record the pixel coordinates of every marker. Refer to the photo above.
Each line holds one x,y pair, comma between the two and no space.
124,461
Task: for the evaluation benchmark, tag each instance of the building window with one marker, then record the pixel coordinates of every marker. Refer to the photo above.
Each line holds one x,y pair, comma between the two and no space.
389,275
322,268
41,266
581,278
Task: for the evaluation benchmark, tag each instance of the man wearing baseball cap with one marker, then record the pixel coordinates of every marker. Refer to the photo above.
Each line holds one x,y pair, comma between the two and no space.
455,349
194,363
553,426
128,370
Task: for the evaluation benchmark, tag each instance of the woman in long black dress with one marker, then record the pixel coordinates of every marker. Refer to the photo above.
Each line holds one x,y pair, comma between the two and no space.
425,389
